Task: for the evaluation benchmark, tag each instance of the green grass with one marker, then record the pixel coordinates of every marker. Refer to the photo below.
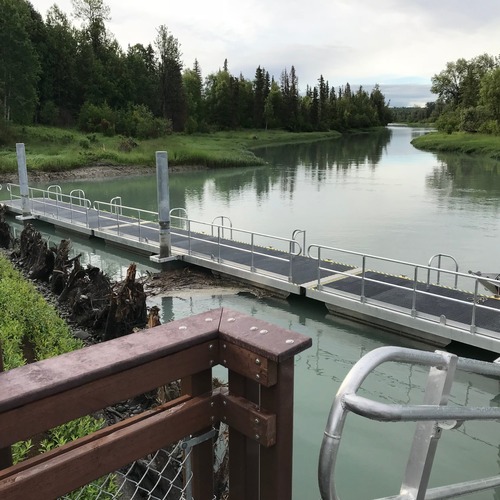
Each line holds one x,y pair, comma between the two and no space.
460,142
26,318
55,149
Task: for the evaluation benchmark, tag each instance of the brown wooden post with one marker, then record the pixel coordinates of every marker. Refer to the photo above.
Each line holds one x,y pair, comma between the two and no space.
5,453
276,461
243,453
202,455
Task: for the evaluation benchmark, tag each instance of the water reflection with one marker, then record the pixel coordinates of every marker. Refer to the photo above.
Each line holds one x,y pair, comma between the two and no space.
342,153
461,177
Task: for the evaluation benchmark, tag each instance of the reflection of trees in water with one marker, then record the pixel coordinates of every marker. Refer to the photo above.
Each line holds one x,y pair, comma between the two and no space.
459,176
344,152
318,158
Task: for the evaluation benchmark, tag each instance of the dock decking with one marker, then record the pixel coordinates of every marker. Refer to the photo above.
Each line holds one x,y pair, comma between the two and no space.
405,301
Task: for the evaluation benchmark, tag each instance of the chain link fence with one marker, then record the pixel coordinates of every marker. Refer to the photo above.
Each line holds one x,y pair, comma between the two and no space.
163,475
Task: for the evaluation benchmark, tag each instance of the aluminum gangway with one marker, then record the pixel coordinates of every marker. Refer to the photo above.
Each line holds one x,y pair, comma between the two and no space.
425,301
433,417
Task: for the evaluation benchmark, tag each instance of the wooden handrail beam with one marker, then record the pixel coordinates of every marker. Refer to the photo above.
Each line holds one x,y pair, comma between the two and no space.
79,463
42,395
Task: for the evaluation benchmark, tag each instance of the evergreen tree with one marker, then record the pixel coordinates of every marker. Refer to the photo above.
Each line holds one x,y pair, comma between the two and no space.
19,64
59,68
260,93
323,104
272,106
141,76
193,87
315,109
333,116
384,115
290,93
172,96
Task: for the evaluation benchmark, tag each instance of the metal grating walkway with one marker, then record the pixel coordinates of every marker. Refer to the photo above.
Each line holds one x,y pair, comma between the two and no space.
435,313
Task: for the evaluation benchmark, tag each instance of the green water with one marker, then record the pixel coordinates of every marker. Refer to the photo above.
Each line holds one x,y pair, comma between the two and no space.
373,455
373,193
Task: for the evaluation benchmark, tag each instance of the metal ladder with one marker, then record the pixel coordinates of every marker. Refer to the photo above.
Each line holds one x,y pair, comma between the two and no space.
432,417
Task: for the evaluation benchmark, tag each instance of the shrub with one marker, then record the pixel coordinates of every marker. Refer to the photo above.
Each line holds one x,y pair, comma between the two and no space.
472,118
93,118
491,127
449,121
49,113
127,144
26,317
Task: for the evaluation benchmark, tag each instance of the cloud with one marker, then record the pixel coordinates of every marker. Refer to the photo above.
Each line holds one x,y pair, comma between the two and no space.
344,40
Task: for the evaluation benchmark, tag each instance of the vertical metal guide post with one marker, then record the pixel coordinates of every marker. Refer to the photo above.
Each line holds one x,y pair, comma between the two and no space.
23,180
163,204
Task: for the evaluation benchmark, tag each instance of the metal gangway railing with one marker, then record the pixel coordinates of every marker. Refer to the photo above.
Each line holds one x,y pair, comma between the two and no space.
128,222
220,242
417,283
52,202
219,238
432,417
224,239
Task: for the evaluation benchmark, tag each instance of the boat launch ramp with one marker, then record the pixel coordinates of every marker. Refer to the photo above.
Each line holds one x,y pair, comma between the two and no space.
434,302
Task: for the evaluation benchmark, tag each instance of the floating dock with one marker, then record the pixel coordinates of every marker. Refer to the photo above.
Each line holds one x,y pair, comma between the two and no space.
425,302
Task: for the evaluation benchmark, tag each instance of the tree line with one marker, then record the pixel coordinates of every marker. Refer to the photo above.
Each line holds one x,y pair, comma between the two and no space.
468,98
54,73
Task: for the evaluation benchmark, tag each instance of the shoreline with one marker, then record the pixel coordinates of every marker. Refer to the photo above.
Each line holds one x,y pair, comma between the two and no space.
95,171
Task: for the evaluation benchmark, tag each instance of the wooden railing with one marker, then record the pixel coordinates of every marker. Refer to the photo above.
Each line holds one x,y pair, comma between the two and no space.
257,407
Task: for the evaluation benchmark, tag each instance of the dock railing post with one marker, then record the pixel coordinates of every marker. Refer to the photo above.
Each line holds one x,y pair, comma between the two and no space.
23,179
163,204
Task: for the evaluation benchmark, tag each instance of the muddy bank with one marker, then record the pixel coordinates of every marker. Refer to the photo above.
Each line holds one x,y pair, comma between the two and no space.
94,171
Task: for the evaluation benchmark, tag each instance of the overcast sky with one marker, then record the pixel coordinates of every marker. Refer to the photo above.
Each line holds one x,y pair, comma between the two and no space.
399,44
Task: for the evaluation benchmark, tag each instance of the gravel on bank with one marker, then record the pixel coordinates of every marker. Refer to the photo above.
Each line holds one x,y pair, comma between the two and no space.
93,171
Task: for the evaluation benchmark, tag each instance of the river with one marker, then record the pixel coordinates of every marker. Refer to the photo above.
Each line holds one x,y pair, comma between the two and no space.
371,193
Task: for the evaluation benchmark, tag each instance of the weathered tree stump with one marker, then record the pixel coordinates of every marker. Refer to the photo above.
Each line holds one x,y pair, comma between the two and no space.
35,256
110,311
5,232
62,267
87,294
127,307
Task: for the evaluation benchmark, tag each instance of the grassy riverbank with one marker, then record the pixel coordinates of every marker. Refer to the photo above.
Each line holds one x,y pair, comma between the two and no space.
54,149
31,330
460,142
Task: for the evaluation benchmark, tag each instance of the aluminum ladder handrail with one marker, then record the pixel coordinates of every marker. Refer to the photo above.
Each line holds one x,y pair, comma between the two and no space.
432,417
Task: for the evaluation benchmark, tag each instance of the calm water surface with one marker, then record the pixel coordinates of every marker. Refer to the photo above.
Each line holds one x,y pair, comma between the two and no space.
371,193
